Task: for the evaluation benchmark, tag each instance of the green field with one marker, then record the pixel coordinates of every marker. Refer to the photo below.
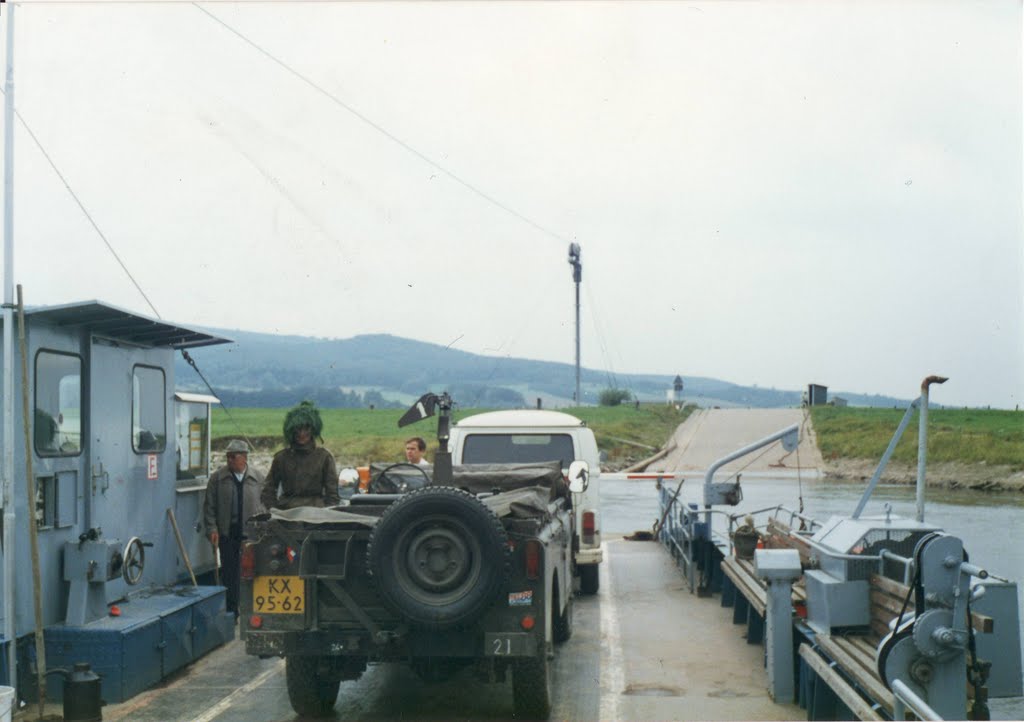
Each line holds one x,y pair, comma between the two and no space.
358,436
969,436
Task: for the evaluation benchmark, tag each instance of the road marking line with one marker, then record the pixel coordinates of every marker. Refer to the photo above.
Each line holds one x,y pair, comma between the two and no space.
225,703
612,676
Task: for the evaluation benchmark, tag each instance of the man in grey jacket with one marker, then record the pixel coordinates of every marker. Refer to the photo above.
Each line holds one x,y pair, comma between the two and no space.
232,496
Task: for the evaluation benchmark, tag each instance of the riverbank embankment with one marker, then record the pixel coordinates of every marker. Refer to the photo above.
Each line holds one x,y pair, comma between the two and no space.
940,475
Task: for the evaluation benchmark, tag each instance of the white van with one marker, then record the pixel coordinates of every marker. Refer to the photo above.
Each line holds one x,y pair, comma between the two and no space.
525,436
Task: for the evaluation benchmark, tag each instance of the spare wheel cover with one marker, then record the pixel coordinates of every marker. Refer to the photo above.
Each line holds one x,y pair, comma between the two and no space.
439,557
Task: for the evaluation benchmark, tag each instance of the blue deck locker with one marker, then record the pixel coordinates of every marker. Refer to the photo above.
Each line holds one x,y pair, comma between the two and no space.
176,644
212,626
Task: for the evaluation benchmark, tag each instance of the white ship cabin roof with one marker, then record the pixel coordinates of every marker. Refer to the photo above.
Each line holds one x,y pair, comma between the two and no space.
190,397
118,324
844,533
527,418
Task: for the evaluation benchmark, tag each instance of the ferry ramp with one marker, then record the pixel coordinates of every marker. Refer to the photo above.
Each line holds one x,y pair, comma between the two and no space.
710,434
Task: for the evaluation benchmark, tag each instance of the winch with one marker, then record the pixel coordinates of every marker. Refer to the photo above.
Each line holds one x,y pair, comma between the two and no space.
927,650
92,562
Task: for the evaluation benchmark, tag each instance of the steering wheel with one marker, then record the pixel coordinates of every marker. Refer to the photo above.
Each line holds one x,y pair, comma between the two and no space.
134,556
381,484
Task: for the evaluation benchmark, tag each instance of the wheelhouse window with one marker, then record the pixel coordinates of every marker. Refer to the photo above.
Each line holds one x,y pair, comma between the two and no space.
149,411
517,448
57,422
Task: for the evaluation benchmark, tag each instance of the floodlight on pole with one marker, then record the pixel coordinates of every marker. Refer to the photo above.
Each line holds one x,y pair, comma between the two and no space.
577,276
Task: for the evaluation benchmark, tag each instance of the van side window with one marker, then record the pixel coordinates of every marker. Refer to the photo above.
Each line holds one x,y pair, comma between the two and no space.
149,410
57,417
517,448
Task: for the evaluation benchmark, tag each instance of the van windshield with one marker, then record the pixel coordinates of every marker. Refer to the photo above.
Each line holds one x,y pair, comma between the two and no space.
517,448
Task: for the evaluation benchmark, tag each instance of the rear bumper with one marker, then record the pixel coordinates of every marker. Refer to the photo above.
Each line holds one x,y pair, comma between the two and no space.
455,644
338,643
589,556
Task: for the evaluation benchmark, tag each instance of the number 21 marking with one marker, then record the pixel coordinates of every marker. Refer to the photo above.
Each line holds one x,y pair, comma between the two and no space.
503,646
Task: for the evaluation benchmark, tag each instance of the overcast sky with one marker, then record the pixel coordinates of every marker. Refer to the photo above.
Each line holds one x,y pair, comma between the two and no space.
769,193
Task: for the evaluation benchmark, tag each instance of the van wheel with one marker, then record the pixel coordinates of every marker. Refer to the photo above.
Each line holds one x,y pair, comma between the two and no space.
439,557
561,624
531,688
311,693
590,582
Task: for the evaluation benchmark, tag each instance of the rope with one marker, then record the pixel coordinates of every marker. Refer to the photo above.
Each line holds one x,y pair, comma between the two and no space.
613,381
366,120
664,515
85,211
799,478
745,466
191,362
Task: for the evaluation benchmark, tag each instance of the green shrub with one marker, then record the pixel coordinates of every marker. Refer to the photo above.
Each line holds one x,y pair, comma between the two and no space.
614,397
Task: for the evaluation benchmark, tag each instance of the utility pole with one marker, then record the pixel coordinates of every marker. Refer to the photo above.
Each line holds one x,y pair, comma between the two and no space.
9,629
577,276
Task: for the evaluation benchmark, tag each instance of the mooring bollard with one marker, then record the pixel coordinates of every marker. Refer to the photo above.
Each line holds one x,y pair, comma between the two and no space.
780,568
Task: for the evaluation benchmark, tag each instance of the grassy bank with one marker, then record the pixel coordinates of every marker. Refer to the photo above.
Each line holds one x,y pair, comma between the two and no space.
357,436
964,436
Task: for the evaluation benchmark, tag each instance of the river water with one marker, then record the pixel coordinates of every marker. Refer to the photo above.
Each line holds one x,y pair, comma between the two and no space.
984,521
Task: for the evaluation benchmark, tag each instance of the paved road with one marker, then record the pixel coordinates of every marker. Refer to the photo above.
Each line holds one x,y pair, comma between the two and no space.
710,434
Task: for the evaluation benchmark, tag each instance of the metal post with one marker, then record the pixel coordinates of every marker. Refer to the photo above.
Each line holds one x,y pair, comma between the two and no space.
780,568
8,385
33,528
885,459
922,442
579,399
577,276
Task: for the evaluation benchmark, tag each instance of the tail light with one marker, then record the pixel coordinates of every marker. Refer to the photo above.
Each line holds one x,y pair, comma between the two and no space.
531,553
528,622
589,527
248,562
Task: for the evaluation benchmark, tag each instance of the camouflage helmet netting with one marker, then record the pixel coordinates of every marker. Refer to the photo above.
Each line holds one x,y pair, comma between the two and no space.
305,414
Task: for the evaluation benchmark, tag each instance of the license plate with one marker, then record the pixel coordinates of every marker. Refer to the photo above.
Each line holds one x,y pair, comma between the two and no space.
511,644
278,595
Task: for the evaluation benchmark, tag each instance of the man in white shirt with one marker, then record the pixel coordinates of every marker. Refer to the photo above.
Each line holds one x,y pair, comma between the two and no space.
414,449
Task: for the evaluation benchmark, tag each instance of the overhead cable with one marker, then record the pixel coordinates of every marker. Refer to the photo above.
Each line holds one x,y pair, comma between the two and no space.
106,242
379,128
86,213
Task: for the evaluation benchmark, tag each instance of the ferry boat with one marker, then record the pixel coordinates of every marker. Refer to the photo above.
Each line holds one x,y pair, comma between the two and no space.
872,617
118,463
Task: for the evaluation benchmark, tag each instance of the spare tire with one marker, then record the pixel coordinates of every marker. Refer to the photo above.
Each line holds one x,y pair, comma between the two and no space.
439,557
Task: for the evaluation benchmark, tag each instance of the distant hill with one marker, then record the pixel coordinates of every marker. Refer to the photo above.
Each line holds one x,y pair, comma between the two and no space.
269,370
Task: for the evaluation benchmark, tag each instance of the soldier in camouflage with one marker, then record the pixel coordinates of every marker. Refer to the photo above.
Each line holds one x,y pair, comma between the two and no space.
303,474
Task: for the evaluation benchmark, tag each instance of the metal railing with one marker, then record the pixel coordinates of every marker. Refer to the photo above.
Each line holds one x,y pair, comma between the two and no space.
683,531
778,511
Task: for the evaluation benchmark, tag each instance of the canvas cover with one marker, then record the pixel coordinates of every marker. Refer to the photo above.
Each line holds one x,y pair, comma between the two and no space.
519,490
